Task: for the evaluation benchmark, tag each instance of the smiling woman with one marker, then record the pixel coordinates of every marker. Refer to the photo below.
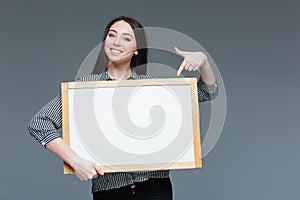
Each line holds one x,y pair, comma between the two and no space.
123,52
124,37
119,46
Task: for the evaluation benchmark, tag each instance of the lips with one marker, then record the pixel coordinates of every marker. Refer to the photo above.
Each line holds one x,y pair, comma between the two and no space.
116,51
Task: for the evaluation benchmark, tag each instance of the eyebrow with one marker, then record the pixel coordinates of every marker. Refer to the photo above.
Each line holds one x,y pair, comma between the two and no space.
122,33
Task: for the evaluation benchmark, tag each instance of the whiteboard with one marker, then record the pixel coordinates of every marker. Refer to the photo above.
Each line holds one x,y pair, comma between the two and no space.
133,125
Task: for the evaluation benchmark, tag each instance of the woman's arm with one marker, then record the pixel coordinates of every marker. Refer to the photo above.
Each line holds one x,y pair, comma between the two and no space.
83,169
207,85
194,61
43,127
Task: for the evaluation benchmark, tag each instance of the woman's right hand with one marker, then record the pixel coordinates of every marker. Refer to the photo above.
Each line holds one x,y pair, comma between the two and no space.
86,170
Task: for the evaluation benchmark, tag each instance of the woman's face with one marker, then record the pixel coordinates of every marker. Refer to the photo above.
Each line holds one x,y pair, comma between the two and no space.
120,43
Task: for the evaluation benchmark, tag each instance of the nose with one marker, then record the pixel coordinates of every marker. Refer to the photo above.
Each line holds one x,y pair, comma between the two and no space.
116,42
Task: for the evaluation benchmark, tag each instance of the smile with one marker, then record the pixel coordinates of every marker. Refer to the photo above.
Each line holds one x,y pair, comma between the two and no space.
113,50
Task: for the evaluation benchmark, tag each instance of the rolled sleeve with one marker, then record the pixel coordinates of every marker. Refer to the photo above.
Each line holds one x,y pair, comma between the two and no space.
45,124
207,92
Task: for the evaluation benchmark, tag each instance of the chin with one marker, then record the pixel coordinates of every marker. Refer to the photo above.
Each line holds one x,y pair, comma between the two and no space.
119,60
116,60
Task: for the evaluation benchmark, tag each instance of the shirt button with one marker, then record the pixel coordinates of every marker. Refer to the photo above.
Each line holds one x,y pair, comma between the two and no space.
43,143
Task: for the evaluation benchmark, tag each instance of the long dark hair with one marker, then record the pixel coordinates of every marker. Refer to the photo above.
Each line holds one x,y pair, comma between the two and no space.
141,59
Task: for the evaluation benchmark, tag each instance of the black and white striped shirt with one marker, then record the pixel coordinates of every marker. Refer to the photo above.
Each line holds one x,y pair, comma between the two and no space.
45,124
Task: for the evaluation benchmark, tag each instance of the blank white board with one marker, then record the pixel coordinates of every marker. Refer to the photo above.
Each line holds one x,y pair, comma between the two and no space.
133,125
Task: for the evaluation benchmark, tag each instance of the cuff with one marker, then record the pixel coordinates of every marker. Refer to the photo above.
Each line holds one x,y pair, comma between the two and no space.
48,139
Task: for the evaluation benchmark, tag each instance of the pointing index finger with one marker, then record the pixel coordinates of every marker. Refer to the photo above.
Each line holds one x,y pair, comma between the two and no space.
181,68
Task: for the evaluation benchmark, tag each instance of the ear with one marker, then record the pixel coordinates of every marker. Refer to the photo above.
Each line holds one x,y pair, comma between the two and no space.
136,53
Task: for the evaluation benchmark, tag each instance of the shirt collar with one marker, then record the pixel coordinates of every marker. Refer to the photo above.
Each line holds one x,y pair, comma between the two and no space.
133,75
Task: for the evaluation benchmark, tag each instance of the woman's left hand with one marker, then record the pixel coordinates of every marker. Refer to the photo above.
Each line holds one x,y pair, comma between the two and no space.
192,60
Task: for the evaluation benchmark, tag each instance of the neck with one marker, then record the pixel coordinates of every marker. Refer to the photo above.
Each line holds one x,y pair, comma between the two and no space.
119,72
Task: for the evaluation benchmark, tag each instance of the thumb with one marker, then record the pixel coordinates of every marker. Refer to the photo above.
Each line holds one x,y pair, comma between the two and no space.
98,170
179,52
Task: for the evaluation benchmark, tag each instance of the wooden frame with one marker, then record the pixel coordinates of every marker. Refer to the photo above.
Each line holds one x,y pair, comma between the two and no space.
190,152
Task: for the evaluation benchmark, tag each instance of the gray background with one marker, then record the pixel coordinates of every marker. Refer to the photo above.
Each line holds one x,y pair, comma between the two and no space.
254,43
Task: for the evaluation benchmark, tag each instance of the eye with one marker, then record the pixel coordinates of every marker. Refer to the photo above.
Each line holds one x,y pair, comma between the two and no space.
111,35
127,39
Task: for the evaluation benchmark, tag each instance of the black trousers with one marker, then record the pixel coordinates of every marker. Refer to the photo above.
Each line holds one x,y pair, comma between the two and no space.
152,189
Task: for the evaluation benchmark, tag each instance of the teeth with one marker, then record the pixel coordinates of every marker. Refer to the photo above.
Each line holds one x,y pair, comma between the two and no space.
116,51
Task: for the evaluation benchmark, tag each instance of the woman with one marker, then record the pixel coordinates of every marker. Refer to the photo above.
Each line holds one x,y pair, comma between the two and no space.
123,49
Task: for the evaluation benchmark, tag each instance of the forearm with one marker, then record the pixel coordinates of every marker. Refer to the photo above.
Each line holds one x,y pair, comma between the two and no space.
207,85
60,148
83,169
206,74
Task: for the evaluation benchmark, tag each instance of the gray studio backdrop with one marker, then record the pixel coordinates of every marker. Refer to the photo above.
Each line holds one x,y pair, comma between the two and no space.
255,45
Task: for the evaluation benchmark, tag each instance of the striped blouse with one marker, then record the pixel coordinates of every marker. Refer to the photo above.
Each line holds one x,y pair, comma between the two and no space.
45,124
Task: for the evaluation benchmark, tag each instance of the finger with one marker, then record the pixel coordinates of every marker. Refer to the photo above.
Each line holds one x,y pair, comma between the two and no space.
99,170
91,176
181,67
191,68
187,66
81,176
95,176
195,68
83,179
179,52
